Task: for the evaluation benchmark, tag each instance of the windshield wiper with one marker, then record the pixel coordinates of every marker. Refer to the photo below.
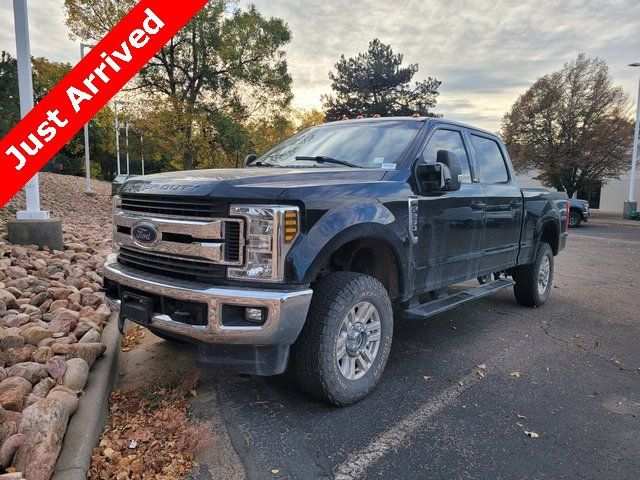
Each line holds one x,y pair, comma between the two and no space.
325,159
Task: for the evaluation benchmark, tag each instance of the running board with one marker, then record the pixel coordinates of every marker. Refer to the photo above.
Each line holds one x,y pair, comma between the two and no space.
440,305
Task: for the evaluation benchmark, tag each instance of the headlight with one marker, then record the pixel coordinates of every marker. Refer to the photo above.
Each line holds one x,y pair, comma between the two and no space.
270,232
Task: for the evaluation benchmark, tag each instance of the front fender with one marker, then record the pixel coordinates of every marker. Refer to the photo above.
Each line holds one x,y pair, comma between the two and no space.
337,228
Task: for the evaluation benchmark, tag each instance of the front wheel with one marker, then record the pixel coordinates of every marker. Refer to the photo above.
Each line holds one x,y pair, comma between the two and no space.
575,219
534,281
345,343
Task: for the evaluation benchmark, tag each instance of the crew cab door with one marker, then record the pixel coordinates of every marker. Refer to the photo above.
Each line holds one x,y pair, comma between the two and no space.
450,224
504,204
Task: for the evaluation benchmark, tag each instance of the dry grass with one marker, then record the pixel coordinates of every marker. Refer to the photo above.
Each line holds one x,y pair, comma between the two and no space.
132,338
149,434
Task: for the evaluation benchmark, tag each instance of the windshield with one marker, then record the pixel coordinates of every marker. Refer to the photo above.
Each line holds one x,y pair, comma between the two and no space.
365,145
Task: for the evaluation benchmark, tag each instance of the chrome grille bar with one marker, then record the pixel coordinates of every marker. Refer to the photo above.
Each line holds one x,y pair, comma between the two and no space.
199,240
208,252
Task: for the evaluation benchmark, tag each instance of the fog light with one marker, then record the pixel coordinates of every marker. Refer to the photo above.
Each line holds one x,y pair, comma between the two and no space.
256,315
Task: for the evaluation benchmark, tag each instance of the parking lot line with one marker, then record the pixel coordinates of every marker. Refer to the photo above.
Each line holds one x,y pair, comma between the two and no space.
357,463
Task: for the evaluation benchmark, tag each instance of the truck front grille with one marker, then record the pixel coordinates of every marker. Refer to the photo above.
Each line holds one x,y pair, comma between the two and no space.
172,266
168,205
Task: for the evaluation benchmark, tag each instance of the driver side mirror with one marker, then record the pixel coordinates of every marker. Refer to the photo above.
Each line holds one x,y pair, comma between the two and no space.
252,157
440,176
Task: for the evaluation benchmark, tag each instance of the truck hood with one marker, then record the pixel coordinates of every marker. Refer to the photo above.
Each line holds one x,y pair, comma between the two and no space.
246,183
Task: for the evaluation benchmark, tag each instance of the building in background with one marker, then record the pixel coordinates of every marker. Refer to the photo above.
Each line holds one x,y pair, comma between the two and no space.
608,198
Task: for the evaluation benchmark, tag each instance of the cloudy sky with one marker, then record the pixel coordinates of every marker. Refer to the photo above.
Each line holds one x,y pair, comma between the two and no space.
485,52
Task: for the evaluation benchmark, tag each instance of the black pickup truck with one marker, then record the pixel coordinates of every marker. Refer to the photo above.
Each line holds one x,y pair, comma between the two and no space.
305,256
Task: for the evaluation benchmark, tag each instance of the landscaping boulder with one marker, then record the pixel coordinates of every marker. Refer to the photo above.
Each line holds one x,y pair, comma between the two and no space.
76,375
11,341
17,355
42,388
34,335
87,351
36,458
56,367
9,448
90,337
42,354
66,396
64,320
48,413
32,371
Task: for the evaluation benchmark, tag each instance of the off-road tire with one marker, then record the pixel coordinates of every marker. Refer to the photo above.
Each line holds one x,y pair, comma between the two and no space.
526,289
313,357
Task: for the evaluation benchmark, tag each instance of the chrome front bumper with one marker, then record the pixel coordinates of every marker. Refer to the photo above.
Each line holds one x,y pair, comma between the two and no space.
287,311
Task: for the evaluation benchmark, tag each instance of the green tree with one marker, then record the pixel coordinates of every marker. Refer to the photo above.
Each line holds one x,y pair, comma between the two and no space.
573,126
226,64
375,82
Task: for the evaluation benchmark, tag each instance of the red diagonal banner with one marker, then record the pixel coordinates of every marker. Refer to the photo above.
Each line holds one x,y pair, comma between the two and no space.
87,88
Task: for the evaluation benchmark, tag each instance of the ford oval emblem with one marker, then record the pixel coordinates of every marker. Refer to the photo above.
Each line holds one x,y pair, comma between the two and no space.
146,234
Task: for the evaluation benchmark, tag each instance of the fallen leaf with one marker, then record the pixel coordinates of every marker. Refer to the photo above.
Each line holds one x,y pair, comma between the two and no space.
520,416
531,434
480,373
385,441
516,374
193,393
617,363
275,471
482,366
426,378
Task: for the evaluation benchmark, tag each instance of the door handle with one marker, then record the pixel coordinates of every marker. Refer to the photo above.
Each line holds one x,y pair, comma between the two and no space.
478,206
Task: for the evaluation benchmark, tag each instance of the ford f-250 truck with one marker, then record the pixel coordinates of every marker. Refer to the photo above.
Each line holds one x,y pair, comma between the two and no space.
305,256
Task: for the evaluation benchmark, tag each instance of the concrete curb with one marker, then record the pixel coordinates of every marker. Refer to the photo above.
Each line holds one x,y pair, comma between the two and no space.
606,223
87,423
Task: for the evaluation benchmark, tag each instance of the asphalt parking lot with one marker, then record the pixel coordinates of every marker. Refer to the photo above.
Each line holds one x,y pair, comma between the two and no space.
568,373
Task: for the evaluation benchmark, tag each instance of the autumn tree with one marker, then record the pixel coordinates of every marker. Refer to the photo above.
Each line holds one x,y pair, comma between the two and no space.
225,65
572,126
376,82
70,159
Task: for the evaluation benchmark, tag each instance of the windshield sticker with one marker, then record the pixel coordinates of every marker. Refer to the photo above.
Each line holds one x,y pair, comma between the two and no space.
378,160
388,166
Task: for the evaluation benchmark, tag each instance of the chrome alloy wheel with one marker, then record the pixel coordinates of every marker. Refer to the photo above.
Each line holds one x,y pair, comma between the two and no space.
358,341
544,275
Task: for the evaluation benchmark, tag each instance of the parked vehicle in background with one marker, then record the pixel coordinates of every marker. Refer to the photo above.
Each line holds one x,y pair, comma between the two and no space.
578,212
305,255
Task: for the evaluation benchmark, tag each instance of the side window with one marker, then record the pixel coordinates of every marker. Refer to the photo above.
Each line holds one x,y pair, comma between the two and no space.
452,141
490,160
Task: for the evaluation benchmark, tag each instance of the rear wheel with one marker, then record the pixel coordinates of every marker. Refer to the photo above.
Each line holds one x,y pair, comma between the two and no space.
534,281
344,345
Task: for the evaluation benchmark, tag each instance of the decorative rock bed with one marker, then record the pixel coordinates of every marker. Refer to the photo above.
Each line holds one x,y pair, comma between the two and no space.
52,315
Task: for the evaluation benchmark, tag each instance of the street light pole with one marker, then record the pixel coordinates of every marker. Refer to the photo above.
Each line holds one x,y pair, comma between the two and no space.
25,85
142,153
115,110
87,160
631,204
31,226
126,139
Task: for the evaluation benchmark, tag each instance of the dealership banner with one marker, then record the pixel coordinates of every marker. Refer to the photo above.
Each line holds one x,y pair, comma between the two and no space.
87,88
